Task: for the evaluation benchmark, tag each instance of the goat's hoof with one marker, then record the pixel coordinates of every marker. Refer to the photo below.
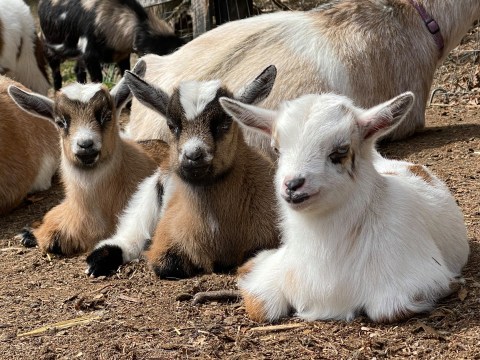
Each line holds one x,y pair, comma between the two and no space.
27,238
174,267
104,261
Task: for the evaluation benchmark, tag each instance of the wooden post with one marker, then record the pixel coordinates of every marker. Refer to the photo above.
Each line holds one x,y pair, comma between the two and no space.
200,12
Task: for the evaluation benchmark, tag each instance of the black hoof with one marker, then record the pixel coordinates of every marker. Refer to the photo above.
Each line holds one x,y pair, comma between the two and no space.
174,267
147,245
27,238
104,261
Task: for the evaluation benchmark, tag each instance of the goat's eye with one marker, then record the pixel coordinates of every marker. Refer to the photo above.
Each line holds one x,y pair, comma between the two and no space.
220,126
174,129
339,154
103,116
61,122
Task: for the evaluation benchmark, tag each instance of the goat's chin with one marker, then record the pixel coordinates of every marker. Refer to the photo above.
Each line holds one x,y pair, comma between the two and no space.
205,178
86,162
302,202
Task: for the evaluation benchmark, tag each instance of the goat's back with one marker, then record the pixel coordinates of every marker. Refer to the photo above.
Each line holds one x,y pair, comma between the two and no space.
313,51
431,203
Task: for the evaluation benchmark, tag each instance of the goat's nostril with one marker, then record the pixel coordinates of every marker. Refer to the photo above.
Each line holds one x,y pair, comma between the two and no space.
85,144
295,183
195,155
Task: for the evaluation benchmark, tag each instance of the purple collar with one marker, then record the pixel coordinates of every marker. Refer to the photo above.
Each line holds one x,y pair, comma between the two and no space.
431,25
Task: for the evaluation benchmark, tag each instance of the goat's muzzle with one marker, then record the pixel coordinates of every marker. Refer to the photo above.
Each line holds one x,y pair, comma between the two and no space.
86,152
294,192
87,157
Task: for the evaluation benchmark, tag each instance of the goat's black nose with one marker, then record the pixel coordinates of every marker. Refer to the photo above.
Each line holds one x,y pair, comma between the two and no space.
85,144
295,183
194,155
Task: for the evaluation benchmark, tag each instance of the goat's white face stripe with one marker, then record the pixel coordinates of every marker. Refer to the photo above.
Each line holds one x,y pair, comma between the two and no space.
83,134
81,92
195,96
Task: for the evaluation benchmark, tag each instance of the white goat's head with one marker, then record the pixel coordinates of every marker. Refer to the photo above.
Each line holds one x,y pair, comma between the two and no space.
204,138
322,141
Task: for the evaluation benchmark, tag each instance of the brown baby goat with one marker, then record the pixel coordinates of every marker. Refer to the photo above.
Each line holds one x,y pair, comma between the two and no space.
100,170
217,204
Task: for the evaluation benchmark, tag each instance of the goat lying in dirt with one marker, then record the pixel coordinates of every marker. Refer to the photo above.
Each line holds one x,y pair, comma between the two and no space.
100,170
360,233
216,202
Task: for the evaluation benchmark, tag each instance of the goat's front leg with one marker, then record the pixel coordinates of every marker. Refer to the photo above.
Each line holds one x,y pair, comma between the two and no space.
124,65
93,65
167,258
260,281
61,232
134,229
80,71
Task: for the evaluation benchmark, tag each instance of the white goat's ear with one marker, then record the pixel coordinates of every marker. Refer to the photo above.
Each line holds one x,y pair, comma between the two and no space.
383,118
250,116
149,95
259,88
121,93
34,104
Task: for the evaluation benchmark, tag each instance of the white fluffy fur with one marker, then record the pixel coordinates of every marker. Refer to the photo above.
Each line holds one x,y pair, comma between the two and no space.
373,237
81,92
43,181
138,221
19,28
195,96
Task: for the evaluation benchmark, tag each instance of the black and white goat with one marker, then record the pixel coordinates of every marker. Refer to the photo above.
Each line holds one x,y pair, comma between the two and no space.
100,31
21,52
217,206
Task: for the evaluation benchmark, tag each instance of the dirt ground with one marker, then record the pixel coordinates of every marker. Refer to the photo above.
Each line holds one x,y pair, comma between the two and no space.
133,315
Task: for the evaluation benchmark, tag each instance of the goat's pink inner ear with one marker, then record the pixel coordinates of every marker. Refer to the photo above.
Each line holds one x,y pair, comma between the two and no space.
373,125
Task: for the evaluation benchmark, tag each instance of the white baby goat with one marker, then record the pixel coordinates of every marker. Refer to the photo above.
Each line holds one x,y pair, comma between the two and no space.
361,233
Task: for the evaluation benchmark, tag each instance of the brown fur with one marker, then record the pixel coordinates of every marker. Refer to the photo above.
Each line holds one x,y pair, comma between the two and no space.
383,46
254,307
158,150
24,144
421,172
94,197
220,225
245,268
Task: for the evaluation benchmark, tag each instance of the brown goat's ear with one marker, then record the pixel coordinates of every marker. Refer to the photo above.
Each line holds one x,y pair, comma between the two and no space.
381,119
250,116
34,104
149,95
121,93
259,88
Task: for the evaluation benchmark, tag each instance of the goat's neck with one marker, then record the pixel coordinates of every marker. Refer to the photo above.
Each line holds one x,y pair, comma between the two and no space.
454,17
